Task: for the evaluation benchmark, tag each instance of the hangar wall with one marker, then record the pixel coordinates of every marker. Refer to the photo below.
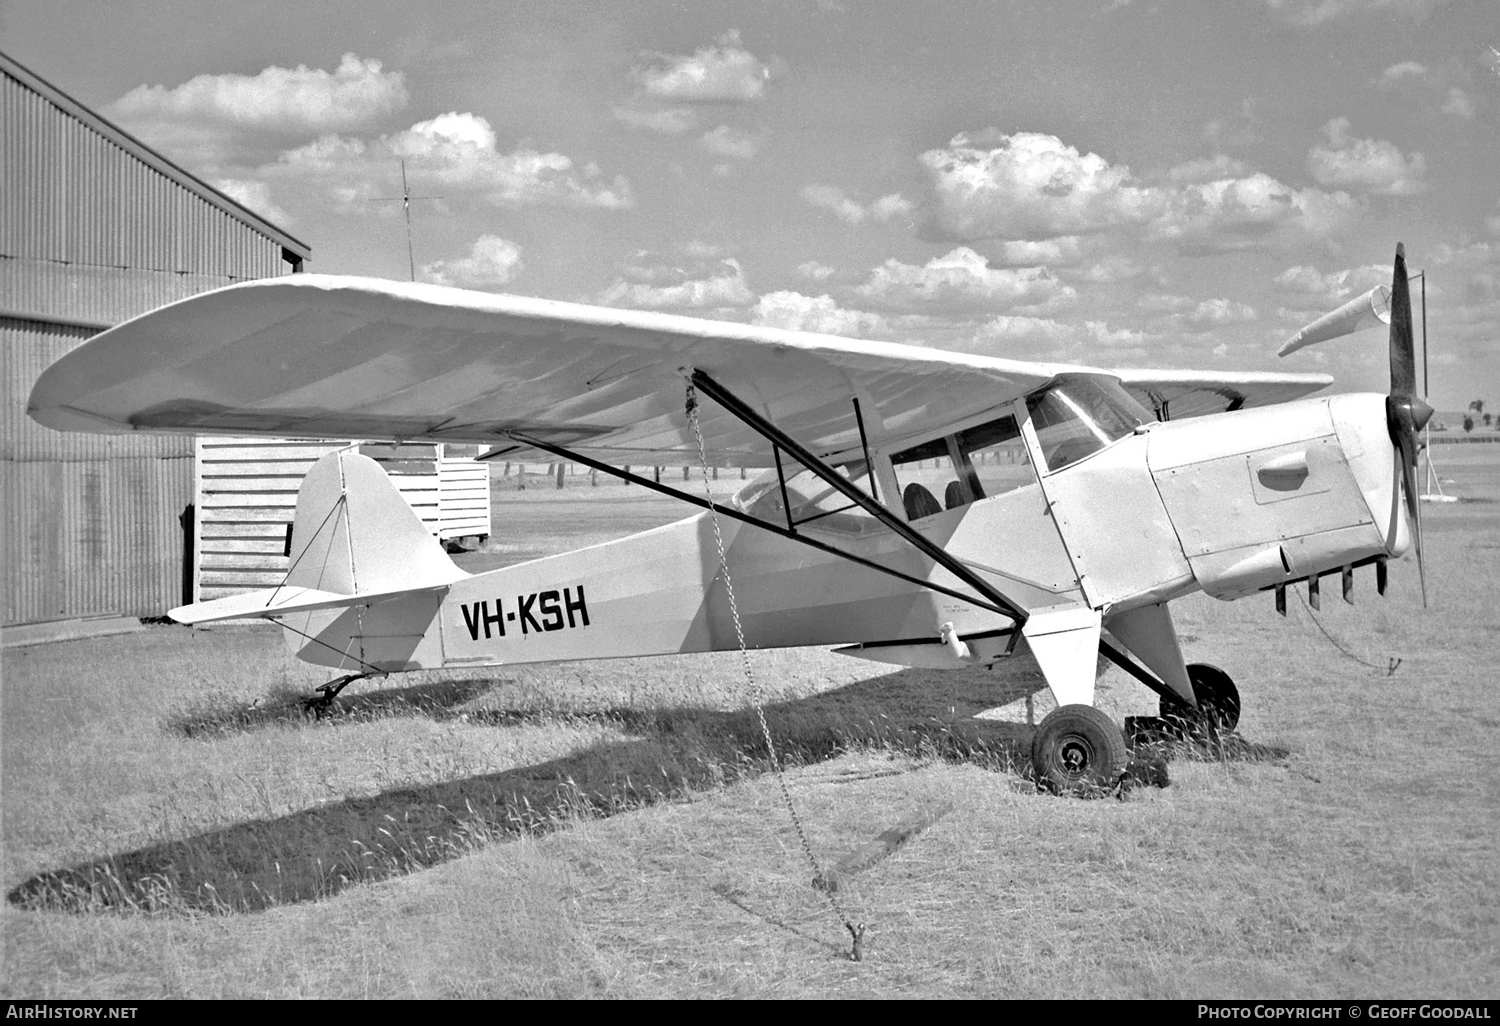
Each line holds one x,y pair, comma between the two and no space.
95,228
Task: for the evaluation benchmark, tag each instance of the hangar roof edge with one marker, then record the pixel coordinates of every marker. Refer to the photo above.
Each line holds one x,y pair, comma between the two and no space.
10,66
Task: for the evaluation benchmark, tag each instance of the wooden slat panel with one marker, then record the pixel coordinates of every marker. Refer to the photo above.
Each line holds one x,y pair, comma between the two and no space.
240,578
225,500
231,514
213,484
215,531
271,546
240,452
295,469
268,562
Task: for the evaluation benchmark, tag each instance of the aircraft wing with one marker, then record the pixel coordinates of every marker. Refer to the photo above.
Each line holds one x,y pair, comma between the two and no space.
331,356
1187,393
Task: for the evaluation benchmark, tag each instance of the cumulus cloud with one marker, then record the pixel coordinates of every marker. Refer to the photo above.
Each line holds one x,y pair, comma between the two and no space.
796,312
699,281
666,120
814,270
722,73
1117,267
457,152
832,199
491,261
1309,281
1100,333
1398,74
1030,332
1313,13
254,195
1412,76
1252,212
1219,312
727,142
963,280
1458,104
1207,169
1368,165
1022,253
303,100
1165,303
1029,186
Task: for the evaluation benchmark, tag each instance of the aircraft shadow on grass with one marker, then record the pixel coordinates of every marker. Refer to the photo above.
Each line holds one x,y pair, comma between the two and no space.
317,852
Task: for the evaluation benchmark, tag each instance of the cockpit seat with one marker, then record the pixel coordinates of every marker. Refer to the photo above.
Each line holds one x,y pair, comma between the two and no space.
919,502
953,495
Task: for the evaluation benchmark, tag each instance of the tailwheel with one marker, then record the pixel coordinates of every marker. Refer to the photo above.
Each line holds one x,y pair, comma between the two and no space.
1218,709
1078,750
322,702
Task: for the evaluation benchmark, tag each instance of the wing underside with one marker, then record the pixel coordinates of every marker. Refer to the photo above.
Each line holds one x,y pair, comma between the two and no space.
310,355
327,356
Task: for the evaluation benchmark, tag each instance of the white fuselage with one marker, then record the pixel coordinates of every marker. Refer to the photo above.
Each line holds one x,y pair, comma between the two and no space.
1231,503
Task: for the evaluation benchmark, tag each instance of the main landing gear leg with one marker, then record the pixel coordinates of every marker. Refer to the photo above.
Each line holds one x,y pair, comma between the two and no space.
322,702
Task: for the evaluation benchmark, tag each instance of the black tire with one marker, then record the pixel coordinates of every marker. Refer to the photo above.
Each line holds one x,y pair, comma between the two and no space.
1078,750
1218,701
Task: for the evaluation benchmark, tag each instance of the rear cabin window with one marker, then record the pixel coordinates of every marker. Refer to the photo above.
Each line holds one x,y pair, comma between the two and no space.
814,502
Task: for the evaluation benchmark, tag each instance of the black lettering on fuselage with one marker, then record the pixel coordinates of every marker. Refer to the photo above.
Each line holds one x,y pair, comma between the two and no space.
549,609
571,606
524,603
478,614
557,610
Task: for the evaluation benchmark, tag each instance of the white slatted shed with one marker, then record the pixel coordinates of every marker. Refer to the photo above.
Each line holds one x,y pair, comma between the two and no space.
247,495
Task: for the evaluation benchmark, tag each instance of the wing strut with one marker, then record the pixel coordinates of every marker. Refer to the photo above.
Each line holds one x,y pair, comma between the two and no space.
734,514
989,597
831,477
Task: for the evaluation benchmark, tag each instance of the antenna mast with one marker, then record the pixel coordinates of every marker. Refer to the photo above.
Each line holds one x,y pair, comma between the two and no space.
411,260
405,200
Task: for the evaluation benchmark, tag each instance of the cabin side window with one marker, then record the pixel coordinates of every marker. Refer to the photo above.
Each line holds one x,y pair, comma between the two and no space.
997,457
923,473
944,473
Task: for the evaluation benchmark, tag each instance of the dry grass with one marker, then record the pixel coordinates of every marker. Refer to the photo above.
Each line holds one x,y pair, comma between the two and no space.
174,825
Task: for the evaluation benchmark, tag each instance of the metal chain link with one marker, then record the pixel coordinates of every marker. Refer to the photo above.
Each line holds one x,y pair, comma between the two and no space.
856,931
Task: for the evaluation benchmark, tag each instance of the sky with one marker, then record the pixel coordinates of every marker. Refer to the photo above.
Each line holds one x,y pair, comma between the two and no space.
1108,182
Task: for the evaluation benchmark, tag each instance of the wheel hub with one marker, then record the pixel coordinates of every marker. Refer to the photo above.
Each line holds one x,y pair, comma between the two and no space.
1074,753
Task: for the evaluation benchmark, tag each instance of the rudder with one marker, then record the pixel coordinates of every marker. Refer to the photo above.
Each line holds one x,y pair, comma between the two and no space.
353,532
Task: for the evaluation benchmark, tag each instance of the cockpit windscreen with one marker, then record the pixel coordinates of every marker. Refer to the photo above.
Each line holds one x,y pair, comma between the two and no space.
1079,414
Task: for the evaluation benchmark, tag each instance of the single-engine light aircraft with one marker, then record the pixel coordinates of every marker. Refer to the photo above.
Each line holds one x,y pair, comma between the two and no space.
916,507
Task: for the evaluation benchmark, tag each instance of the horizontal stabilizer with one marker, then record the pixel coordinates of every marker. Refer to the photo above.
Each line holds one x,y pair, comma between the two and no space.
274,602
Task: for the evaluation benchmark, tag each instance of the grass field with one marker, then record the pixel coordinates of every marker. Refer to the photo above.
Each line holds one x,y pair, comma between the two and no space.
174,826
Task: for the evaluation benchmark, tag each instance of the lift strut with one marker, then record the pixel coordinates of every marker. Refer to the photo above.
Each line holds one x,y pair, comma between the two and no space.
850,491
989,597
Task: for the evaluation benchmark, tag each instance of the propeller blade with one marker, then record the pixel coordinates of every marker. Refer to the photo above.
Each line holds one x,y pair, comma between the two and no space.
1405,412
1403,348
1408,442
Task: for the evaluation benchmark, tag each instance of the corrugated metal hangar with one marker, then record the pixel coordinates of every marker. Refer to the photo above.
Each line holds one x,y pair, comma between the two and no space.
95,228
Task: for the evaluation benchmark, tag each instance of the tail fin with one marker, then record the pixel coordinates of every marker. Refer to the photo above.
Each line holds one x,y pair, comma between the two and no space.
354,540
354,533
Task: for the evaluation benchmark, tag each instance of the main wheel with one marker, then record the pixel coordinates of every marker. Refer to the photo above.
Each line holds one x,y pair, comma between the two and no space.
1218,700
1077,750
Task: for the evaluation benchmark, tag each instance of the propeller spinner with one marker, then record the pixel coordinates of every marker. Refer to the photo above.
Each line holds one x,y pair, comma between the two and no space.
1406,413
